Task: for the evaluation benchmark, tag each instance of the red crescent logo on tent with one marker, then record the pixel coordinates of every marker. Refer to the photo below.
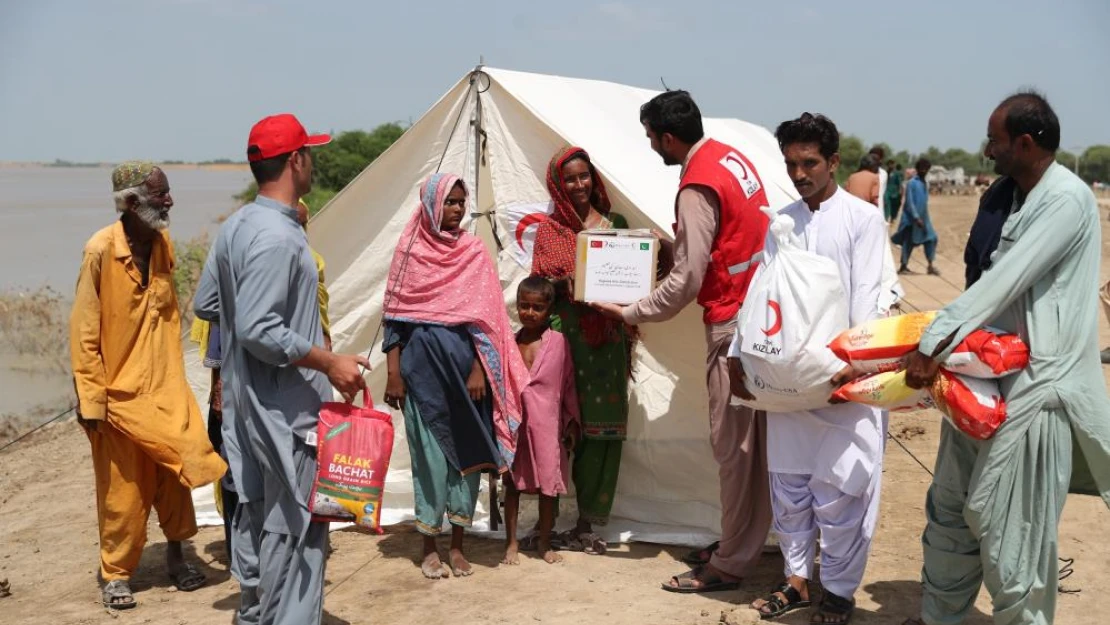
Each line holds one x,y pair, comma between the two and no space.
743,168
776,327
525,222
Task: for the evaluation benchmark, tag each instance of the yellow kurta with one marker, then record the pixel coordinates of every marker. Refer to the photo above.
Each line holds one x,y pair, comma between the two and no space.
322,293
150,446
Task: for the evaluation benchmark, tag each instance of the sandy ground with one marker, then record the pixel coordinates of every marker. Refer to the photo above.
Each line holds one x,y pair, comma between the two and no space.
48,545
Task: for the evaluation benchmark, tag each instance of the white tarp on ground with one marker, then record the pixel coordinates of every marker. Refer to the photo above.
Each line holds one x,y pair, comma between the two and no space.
668,488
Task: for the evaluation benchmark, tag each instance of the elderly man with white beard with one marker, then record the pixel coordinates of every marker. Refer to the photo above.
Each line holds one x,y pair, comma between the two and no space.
149,443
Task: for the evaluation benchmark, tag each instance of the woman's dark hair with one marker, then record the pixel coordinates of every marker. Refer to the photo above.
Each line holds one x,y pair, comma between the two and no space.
673,112
537,286
810,128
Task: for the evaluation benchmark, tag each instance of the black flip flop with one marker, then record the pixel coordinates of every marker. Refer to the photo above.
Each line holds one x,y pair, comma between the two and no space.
712,584
694,558
777,606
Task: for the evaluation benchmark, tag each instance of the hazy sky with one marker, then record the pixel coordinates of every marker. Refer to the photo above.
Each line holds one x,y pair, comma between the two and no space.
185,79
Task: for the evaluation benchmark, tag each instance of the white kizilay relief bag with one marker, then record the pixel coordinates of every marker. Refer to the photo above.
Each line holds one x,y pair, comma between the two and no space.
794,308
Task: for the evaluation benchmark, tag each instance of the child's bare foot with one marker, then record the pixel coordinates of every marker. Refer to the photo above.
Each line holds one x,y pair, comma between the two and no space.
432,567
511,556
547,552
459,565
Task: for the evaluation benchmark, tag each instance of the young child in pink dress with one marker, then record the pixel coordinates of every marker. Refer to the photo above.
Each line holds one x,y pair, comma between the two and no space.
551,424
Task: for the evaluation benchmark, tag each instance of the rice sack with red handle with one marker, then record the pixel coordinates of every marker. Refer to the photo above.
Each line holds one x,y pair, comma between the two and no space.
988,354
354,446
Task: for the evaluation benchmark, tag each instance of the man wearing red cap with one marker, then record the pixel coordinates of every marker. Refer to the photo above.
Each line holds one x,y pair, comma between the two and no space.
260,285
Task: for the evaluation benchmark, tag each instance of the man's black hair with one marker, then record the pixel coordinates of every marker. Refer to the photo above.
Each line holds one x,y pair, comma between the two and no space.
269,169
673,112
810,128
1029,113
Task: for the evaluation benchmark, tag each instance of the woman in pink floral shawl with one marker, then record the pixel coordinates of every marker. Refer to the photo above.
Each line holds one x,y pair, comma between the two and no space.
454,369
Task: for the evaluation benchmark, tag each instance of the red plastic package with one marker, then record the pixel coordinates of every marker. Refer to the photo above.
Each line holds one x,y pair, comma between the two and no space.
353,449
988,354
974,406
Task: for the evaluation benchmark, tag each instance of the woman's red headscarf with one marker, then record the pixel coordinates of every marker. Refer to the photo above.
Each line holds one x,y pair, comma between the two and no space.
554,253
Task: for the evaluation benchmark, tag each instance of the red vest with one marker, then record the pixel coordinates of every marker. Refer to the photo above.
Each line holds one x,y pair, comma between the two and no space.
741,229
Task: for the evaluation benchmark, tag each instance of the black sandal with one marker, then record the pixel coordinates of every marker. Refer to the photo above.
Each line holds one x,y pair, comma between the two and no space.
696,581
835,606
775,606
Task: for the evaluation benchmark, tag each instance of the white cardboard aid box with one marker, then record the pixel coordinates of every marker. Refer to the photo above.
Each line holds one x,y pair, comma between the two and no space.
615,266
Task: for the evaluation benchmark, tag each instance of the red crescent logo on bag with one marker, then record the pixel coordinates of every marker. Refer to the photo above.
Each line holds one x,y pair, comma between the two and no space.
776,327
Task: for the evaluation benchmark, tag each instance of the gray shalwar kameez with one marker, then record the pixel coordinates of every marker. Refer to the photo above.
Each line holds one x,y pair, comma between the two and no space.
260,285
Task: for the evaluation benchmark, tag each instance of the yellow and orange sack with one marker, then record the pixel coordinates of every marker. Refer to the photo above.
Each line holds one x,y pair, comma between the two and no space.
966,389
879,345
886,390
973,405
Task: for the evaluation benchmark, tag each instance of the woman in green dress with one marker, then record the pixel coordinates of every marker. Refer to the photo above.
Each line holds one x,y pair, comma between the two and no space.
600,348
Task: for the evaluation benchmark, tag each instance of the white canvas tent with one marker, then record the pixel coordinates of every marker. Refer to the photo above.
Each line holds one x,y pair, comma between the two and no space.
498,129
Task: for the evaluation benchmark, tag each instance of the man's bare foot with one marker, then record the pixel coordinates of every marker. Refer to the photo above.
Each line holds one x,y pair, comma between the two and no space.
459,565
511,556
432,567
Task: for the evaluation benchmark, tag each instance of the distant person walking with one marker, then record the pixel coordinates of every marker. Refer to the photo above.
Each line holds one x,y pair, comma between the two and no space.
864,184
892,196
916,228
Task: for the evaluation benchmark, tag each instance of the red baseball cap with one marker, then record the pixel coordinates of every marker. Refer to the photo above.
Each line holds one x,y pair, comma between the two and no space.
280,134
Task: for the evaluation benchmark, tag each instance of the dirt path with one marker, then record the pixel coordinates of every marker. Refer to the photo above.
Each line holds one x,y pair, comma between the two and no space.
48,545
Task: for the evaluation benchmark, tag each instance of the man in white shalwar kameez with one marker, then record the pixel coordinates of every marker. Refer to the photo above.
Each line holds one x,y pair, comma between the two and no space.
825,465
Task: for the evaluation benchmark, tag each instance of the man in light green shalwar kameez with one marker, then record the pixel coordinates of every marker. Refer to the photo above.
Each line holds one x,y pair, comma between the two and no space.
993,508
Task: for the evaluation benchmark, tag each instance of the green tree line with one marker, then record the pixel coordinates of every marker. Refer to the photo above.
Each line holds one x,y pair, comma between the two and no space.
1094,162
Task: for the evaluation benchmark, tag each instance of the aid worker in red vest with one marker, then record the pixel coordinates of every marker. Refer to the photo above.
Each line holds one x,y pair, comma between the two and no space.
718,242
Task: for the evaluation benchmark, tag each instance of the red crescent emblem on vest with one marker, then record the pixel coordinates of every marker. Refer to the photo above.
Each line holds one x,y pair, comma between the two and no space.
736,159
525,222
776,327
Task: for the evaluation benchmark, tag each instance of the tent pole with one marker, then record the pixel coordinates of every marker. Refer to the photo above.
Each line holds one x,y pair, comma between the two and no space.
479,136
479,146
